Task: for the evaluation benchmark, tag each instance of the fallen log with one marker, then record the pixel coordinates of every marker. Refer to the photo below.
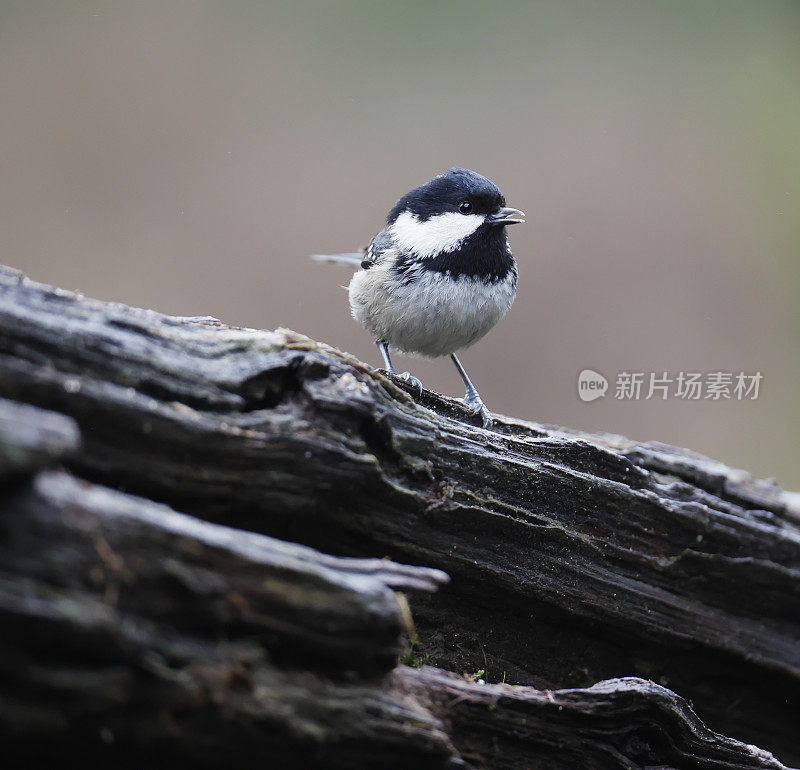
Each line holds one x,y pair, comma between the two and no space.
573,557
134,634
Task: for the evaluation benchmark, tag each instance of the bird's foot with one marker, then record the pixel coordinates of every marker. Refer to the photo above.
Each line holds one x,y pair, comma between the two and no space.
477,407
411,380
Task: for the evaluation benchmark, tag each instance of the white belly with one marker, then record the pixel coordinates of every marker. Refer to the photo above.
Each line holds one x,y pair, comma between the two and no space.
434,315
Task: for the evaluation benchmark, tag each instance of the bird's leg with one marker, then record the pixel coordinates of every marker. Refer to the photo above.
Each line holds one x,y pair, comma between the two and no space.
386,360
472,398
407,376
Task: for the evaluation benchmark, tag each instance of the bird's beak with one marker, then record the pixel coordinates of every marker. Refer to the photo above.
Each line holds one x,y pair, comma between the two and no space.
506,216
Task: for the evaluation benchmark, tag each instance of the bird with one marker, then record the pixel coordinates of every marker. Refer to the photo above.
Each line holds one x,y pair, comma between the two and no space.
439,274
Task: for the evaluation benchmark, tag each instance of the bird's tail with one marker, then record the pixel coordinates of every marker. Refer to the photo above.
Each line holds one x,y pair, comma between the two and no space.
353,258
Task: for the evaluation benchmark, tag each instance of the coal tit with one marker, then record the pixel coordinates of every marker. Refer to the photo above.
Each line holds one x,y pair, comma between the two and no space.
439,275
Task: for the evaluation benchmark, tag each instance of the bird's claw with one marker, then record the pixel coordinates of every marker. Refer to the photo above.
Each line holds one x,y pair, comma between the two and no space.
411,380
477,407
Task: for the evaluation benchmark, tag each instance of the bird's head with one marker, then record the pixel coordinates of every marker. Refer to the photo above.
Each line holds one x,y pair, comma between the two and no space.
441,215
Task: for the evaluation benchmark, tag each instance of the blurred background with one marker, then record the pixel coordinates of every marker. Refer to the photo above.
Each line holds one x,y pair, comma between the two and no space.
189,156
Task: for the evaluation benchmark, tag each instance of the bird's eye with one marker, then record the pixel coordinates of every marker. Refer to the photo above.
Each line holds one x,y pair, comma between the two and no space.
465,207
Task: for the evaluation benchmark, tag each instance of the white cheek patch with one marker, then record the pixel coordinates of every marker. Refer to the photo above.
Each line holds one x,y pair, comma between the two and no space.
443,232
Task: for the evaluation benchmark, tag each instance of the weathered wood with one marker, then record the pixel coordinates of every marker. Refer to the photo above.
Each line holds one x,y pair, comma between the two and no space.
148,561
620,723
573,557
32,439
136,635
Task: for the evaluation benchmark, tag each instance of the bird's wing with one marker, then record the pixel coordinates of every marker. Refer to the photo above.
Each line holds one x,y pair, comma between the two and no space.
377,249
366,258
